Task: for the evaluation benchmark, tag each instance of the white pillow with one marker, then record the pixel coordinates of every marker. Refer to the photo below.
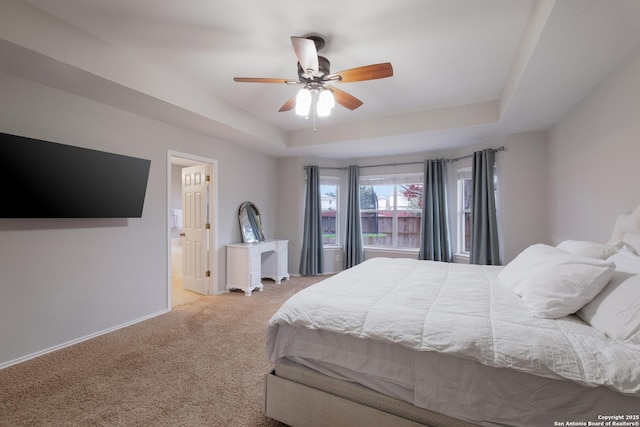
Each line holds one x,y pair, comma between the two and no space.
616,310
632,240
554,283
622,245
588,249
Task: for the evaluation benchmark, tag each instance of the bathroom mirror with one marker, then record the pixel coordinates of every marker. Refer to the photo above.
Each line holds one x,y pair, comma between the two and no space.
250,223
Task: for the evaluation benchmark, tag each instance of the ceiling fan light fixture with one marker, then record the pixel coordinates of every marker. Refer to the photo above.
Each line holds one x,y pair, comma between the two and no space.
303,102
314,72
325,103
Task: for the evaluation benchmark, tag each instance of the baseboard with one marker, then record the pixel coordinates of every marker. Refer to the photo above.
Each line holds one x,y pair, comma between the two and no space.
78,340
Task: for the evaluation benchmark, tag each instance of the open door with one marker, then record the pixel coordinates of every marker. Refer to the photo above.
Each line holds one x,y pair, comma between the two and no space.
195,228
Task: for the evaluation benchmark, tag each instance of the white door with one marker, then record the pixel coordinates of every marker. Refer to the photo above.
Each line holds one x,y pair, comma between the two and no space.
196,228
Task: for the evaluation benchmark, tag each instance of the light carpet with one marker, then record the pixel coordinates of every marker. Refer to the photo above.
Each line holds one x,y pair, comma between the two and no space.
202,364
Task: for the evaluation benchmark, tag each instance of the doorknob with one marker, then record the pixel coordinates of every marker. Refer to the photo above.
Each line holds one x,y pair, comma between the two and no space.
183,235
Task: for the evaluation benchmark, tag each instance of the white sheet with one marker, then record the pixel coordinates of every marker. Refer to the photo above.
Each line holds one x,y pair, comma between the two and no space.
460,310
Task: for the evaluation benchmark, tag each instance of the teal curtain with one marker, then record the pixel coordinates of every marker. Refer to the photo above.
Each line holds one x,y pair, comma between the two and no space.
353,246
312,257
435,243
484,224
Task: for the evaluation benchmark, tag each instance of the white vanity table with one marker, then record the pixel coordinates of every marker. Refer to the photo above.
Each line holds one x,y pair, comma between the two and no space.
248,263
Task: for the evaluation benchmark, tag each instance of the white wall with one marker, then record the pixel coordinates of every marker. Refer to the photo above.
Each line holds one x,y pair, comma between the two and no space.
522,192
594,159
291,179
65,279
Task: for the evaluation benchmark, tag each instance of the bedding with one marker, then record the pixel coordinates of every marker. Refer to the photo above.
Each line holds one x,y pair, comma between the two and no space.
627,230
455,312
588,249
616,310
461,310
554,283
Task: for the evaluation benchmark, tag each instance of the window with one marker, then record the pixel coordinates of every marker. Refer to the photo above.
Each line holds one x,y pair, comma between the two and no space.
464,210
465,205
391,210
329,186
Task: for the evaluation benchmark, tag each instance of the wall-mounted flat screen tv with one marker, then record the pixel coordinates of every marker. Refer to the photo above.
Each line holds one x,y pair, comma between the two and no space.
42,179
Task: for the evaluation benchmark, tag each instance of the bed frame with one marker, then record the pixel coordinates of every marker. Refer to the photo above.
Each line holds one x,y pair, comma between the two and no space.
325,401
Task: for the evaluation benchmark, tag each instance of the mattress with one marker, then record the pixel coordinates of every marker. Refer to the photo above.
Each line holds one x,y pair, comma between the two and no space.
451,339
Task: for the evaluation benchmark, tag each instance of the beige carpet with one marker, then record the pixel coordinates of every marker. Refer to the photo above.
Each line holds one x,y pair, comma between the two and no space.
200,365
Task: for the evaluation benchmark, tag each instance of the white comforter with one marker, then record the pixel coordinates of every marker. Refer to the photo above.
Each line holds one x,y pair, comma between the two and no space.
461,310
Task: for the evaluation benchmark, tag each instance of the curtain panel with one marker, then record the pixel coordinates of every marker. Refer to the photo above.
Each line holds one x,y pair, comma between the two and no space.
353,245
484,224
312,256
435,243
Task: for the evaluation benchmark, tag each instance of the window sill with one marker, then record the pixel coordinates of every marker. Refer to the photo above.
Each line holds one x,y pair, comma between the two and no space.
386,249
373,252
462,258
331,247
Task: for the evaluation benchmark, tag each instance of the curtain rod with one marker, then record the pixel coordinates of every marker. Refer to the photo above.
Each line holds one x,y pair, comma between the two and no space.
501,148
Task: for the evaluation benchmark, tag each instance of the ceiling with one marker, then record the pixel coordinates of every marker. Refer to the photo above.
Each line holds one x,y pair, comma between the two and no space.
464,70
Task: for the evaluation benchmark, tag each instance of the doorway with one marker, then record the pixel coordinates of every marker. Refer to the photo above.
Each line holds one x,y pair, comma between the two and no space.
180,240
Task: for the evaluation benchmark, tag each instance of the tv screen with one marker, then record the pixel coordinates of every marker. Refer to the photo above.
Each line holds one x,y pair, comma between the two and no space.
42,179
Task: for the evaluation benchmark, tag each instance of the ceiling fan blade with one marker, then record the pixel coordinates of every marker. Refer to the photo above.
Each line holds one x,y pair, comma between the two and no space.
260,80
345,99
307,54
291,102
368,72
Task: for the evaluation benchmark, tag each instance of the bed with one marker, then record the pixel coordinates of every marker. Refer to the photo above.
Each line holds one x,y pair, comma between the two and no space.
551,338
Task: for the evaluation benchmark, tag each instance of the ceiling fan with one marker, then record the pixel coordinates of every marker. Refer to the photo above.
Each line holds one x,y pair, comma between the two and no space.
315,75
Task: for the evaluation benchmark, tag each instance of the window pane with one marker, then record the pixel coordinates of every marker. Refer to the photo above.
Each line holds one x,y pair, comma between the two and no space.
377,228
390,210
376,197
409,229
410,196
467,231
329,203
465,205
466,194
376,215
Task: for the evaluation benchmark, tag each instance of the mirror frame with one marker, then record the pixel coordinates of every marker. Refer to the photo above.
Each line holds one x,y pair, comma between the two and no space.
250,223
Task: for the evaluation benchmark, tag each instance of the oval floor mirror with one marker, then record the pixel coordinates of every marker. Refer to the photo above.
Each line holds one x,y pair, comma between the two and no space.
250,223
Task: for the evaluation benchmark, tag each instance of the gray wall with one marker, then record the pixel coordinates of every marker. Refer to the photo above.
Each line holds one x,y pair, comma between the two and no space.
522,193
67,279
594,153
